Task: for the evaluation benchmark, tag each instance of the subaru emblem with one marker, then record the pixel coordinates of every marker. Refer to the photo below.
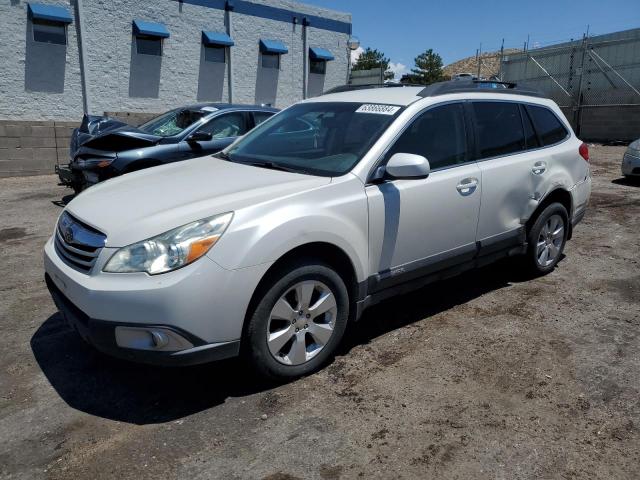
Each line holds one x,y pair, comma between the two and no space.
68,234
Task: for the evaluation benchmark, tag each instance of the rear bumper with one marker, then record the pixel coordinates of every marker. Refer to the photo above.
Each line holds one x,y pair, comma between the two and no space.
102,335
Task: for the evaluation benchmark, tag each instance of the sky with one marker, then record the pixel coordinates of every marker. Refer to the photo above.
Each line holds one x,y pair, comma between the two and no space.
455,29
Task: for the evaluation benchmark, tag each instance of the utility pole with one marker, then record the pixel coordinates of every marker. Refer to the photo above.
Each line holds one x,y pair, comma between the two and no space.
479,59
501,60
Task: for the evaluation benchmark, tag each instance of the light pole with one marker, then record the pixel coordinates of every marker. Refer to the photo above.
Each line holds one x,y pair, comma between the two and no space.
352,44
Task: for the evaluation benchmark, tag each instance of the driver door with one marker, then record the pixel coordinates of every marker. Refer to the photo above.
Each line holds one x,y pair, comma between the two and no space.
224,130
420,226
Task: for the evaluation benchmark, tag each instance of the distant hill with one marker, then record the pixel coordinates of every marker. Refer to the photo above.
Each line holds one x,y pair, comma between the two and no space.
489,64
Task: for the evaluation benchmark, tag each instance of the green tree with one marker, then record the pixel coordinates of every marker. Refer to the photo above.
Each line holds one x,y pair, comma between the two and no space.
428,68
373,59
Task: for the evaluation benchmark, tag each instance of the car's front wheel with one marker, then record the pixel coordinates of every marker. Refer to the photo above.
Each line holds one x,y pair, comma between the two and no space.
299,320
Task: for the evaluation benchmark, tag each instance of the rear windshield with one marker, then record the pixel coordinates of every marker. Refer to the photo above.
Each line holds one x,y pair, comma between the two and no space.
172,123
327,138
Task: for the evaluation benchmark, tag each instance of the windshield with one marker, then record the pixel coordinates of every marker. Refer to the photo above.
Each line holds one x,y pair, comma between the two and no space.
172,123
326,139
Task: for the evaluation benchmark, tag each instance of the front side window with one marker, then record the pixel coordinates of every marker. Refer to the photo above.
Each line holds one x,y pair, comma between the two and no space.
45,31
147,45
549,128
213,53
270,60
320,138
172,123
318,67
439,135
225,126
499,128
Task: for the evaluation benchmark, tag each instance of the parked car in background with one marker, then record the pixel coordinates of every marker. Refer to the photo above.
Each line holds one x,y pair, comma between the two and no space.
103,148
268,248
631,160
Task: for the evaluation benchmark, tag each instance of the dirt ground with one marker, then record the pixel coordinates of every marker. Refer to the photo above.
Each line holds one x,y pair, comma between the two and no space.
489,375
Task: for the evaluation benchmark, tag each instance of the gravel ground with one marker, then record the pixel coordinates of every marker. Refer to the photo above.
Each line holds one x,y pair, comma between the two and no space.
489,375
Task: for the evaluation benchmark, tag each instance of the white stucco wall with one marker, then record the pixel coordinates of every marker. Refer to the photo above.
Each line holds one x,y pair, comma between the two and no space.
120,80
38,81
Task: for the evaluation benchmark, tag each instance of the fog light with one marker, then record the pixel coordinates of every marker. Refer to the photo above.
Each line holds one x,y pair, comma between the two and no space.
159,339
151,338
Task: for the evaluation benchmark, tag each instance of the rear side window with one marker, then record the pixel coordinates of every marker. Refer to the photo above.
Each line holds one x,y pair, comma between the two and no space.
499,128
549,128
260,117
438,134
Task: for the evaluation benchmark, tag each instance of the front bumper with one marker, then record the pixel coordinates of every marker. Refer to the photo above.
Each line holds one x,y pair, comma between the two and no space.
102,335
67,176
202,303
631,163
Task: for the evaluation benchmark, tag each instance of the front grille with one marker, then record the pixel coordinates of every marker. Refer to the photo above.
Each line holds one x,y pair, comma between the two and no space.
78,244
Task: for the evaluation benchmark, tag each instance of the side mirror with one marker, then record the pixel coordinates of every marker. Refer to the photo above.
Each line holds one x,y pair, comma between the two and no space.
199,136
407,166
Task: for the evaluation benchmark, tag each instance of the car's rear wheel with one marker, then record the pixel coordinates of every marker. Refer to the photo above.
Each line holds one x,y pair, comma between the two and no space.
547,238
298,321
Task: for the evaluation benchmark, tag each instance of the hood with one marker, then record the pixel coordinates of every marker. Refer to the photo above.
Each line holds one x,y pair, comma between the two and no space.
143,204
108,134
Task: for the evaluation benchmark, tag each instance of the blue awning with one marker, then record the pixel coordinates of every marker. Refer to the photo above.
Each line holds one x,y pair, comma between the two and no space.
51,13
273,46
317,53
217,38
141,27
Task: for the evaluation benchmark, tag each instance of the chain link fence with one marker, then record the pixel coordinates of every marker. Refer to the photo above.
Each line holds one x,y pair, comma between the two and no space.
596,82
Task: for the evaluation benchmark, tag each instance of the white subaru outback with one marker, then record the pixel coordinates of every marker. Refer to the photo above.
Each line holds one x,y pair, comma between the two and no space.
269,248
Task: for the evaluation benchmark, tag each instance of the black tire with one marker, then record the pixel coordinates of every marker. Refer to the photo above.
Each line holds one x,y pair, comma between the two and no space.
255,350
531,258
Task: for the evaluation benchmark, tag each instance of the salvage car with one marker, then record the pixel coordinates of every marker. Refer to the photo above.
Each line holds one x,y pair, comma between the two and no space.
268,248
631,160
103,147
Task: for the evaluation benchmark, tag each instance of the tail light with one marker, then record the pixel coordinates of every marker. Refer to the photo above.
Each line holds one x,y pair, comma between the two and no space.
584,151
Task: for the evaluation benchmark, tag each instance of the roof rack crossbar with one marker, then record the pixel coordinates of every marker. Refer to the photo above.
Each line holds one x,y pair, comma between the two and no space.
466,86
451,86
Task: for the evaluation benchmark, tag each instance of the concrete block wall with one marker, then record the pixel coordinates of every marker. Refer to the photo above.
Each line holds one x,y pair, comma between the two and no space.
33,147
603,124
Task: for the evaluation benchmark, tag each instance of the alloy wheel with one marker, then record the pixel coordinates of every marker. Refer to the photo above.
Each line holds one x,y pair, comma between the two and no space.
301,322
550,241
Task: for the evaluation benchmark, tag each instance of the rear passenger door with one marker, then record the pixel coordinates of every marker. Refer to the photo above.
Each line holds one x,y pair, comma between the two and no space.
419,226
511,169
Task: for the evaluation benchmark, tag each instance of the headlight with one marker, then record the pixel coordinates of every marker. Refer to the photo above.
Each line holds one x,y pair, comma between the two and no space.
173,249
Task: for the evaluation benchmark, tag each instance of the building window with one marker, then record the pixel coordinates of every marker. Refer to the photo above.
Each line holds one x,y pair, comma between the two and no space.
214,53
148,45
317,66
270,60
46,31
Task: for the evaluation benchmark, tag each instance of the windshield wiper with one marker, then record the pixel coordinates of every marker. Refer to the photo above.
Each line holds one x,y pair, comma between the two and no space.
223,156
274,166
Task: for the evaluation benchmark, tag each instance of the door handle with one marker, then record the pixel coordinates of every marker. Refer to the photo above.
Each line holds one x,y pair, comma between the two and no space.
467,186
539,168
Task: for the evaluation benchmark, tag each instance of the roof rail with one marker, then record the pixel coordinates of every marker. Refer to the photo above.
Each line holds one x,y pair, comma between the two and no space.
465,86
348,88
